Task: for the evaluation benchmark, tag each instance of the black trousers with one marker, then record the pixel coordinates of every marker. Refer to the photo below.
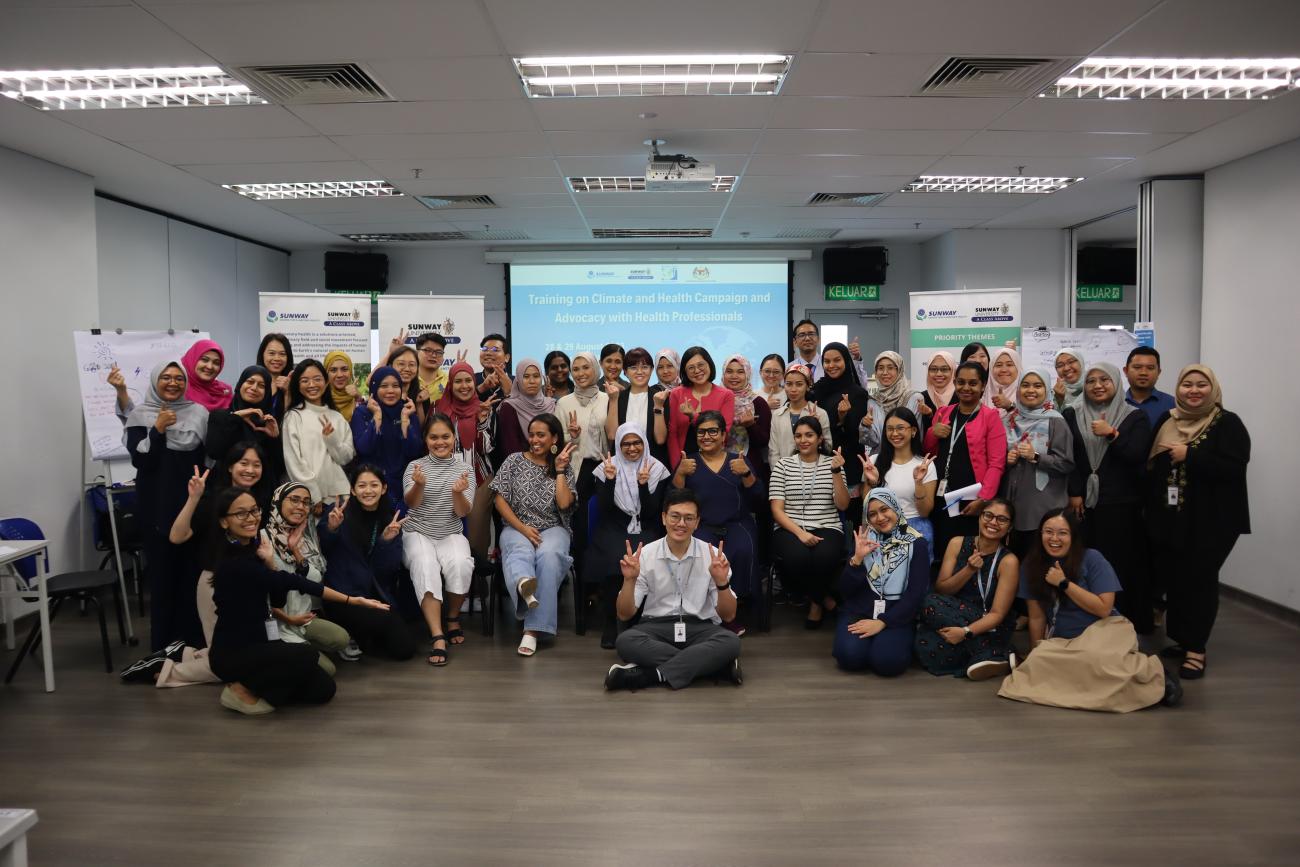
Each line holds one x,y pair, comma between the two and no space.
1116,531
278,672
809,571
173,580
379,632
581,533
1193,588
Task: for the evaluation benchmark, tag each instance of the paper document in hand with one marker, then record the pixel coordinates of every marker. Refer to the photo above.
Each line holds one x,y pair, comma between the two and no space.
953,499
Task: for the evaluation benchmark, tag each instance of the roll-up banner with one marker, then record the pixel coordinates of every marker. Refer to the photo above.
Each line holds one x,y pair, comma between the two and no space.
950,320
316,323
458,318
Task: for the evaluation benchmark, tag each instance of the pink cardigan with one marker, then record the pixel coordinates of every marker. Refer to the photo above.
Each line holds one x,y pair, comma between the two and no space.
986,440
721,399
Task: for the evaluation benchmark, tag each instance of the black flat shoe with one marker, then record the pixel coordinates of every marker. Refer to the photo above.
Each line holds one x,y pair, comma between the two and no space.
1173,691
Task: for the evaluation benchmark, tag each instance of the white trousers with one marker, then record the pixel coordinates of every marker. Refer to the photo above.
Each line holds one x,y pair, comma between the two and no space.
436,564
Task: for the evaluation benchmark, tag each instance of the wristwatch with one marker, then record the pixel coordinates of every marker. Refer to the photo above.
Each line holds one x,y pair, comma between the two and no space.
968,633
1064,585
722,587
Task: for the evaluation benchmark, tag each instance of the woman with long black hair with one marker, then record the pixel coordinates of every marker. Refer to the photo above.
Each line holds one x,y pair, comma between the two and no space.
275,354
317,440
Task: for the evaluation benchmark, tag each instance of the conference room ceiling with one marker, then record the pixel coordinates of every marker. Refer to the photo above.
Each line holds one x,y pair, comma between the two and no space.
846,120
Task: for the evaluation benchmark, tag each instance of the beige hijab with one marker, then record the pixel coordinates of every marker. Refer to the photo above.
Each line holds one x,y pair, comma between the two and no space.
1186,423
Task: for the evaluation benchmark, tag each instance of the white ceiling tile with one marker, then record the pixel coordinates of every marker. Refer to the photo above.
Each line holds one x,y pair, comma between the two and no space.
242,150
671,112
329,30
1036,166
854,141
991,27
889,166
395,118
683,26
469,144
1106,115
1065,144
270,173
847,74
117,36
427,221
189,124
425,78
376,208
643,199
1213,28
806,185
487,167
691,142
681,215
877,113
980,201
516,202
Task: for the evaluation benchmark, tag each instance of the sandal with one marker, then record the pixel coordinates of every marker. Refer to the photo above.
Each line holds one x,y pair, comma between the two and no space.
455,632
437,655
1193,669
1174,651
527,645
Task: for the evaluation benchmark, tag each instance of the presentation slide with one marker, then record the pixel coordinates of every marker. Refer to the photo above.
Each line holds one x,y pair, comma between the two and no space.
726,308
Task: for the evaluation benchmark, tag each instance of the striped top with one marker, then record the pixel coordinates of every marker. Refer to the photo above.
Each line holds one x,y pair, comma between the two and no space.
807,491
433,515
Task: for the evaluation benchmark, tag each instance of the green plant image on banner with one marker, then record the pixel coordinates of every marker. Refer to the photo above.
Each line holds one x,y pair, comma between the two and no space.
850,292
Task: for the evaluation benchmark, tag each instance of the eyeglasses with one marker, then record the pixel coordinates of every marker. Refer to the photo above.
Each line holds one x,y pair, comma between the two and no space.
245,514
298,501
436,353
708,432
674,518
799,334
491,349
995,518
175,379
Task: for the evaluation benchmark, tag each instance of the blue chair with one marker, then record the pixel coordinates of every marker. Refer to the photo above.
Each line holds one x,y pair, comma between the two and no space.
86,587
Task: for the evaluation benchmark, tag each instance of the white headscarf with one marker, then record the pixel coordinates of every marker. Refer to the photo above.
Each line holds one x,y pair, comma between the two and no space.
1113,412
626,488
1007,391
941,398
191,427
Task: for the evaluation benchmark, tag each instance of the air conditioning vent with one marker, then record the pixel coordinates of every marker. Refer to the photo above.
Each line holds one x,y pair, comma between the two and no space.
652,233
798,234
996,76
476,235
313,84
846,200
443,203
497,235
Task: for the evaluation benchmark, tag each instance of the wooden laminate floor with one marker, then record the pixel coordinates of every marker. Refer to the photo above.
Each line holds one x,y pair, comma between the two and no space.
498,760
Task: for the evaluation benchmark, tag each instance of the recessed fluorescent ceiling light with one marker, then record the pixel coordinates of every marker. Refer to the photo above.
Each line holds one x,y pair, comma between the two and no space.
653,75
1177,78
969,184
624,184
316,190
166,87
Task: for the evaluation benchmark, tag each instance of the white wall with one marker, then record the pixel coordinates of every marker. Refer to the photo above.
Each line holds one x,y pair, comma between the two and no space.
1171,216
903,277
47,247
1249,315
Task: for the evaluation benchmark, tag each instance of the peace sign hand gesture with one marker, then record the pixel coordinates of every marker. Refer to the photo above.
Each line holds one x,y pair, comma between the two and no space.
336,515
461,355
575,430
869,471
485,409
326,428
719,568
394,527
643,475
563,458
197,483
399,340
611,472
919,471
630,565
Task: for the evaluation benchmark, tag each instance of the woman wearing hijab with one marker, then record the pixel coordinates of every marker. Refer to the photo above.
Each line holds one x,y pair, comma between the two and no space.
1004,377
752,427
1111,442
385,431
635,404
527,400
474,425
249,417
847,404
164,436
317,441
1082,654
556,367
1040,458
343,386
883,585
667,370
893,391
939,390
1068,387
203,363
362,545
680,408
583,414
1196,507
630,488
294,548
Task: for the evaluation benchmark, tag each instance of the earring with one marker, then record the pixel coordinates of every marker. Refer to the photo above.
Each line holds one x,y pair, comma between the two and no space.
555,449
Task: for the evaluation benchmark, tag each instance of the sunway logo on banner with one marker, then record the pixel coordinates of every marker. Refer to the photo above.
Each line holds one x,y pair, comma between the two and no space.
993,313
272,316
922,314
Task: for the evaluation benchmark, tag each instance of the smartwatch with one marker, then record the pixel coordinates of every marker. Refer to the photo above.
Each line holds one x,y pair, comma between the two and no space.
1064,585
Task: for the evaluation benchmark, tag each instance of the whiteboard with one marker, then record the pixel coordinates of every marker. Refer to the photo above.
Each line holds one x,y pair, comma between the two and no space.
135,353
1038,347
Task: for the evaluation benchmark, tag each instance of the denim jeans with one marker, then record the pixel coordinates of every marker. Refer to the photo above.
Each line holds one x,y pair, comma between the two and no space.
548,563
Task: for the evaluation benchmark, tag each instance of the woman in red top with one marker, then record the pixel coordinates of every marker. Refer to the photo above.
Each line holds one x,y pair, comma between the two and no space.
969,442
683,404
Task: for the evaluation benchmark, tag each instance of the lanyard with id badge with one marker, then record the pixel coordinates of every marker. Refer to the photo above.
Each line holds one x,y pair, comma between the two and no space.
983,587
272,628
679,628
957,431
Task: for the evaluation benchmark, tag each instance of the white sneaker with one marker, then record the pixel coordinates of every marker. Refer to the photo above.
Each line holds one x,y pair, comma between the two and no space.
1013,661
351,653
988,668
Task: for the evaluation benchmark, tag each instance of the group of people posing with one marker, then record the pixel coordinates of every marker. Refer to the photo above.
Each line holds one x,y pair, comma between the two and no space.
294,518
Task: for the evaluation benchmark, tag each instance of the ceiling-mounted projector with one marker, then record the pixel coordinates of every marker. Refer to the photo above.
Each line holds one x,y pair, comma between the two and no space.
676,172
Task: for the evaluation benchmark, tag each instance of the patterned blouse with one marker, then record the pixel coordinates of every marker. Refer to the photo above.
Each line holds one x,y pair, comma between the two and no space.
531,492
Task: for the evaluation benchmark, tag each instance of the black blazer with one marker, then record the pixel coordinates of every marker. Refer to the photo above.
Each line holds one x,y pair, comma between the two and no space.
1215,503
658,451
1123,469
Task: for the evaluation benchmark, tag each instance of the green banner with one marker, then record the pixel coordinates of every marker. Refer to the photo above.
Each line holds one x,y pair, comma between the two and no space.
939,338
1099,292
864,292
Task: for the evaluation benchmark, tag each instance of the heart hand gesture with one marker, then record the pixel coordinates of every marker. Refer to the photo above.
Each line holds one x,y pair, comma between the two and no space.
630,565
869,472
408,409
612,389
837,459
719,568
461,485
351,390
611,472
661,398
269,426
1058,389
919,471
925,409
746,418
843,406
689,410
197,483
418,478
375,409
326,428
394,527
868,420
116,378
975,561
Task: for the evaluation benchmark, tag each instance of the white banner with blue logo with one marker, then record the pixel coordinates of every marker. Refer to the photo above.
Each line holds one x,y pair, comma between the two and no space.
458,318
315,323
950,320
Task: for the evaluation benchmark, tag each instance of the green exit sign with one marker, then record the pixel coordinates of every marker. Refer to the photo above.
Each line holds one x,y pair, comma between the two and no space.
1098,292
864,292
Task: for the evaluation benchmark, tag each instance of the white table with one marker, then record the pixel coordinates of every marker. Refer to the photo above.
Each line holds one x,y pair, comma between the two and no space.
14,825
11,552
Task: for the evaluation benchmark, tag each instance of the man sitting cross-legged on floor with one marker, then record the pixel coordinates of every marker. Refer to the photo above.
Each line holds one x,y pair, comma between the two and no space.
686,587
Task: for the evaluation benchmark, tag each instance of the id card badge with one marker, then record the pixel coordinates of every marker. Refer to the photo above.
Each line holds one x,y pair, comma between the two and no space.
679,632
1171,495
877,609
272,629
943,488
